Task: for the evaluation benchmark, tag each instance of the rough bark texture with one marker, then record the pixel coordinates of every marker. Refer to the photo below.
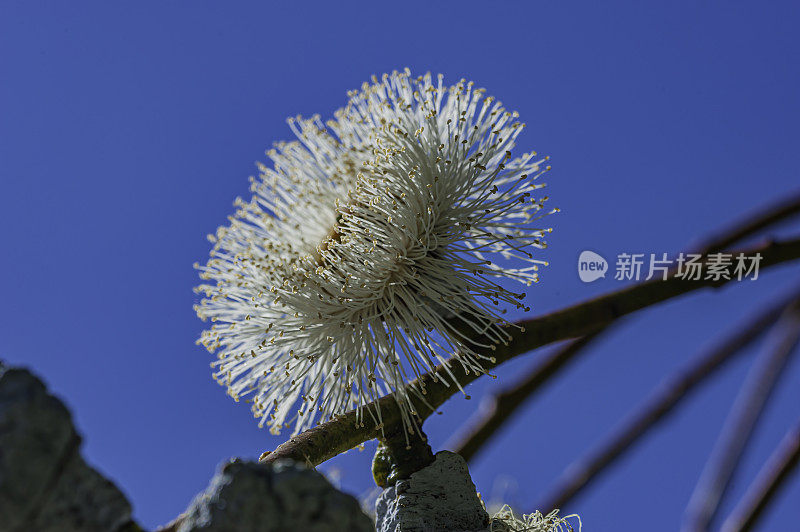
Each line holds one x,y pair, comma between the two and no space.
440,497
252,497
44,483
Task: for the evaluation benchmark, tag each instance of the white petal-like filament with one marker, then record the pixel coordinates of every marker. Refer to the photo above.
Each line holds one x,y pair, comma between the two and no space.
372,250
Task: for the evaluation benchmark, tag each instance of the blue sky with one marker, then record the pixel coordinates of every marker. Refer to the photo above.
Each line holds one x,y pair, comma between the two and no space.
127,129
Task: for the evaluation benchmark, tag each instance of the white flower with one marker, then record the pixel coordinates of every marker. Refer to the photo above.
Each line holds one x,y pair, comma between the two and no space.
371,250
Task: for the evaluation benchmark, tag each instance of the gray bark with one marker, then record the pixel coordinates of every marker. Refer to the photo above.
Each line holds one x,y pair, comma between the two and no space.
251,497
440,497
45,485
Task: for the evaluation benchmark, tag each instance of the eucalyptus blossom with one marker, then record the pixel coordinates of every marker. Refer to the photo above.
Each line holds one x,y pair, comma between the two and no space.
372,249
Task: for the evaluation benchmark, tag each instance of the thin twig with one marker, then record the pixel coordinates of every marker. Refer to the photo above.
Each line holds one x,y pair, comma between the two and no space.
496,411
766,216
661,403
329,439
741,422
768,483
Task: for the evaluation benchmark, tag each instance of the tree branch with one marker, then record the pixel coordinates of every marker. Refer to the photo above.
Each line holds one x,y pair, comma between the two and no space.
662,402
496,411
741,422
767,484
765,217
334,437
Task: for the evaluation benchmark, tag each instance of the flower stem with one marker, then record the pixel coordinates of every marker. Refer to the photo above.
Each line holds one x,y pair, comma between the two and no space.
407,453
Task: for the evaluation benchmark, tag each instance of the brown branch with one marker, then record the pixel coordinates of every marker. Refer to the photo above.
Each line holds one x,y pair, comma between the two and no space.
661,403
765,217
334,437
739,427
768,483
496,411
